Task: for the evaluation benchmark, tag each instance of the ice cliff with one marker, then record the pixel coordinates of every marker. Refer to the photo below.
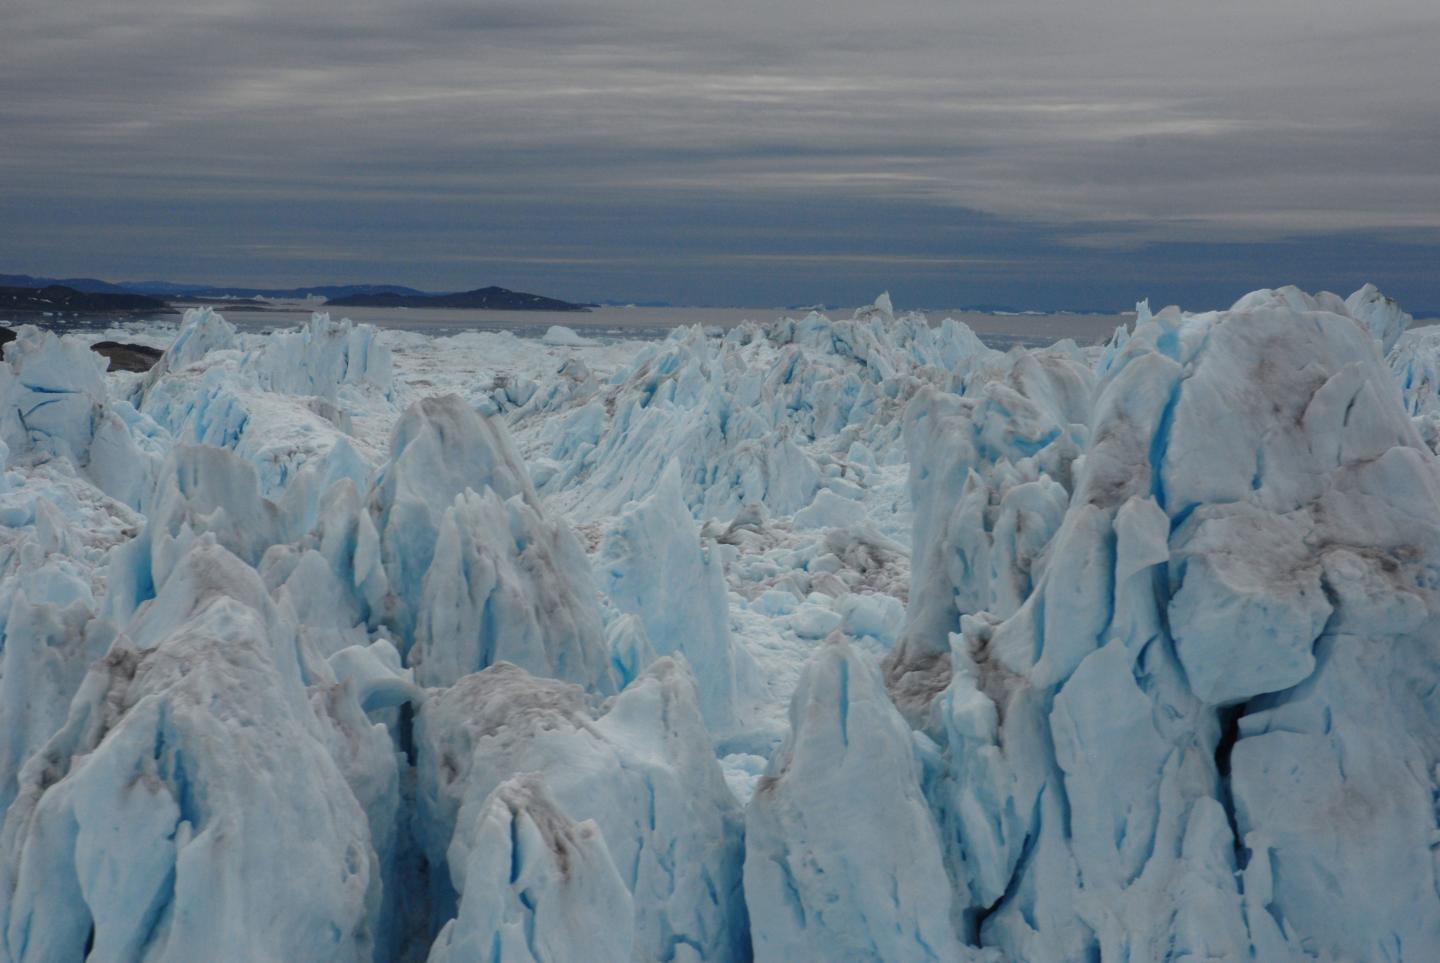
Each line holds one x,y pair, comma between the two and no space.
820,639
1176,747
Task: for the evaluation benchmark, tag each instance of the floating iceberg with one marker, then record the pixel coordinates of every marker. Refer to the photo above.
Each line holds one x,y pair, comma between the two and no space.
561,336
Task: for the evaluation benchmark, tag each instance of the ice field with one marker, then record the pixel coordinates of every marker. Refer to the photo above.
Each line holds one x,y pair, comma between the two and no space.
831,639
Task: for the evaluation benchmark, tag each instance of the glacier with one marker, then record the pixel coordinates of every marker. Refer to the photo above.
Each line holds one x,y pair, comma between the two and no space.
824,638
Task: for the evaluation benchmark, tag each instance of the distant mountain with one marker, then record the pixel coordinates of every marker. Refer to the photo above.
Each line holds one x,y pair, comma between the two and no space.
485,299
166,289
327,291
87,285
341,295
62,299
170,289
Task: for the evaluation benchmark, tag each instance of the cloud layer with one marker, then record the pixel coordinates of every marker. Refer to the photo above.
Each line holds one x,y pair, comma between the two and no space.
744,152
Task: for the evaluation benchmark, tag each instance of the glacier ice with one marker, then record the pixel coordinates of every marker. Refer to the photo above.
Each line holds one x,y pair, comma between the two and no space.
656,569
1238,463
814,639
322,358
201,331
642,770
547,889
477,574
842,859
1380,315
156,821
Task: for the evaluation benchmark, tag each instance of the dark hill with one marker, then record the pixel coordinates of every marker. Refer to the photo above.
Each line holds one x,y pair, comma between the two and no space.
202,291
88,285
169,289
483,299
56,299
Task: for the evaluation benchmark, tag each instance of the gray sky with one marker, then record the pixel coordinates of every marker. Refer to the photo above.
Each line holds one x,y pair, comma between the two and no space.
1035,153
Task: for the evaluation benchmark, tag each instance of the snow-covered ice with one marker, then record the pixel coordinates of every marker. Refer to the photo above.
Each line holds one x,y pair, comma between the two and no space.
818,639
